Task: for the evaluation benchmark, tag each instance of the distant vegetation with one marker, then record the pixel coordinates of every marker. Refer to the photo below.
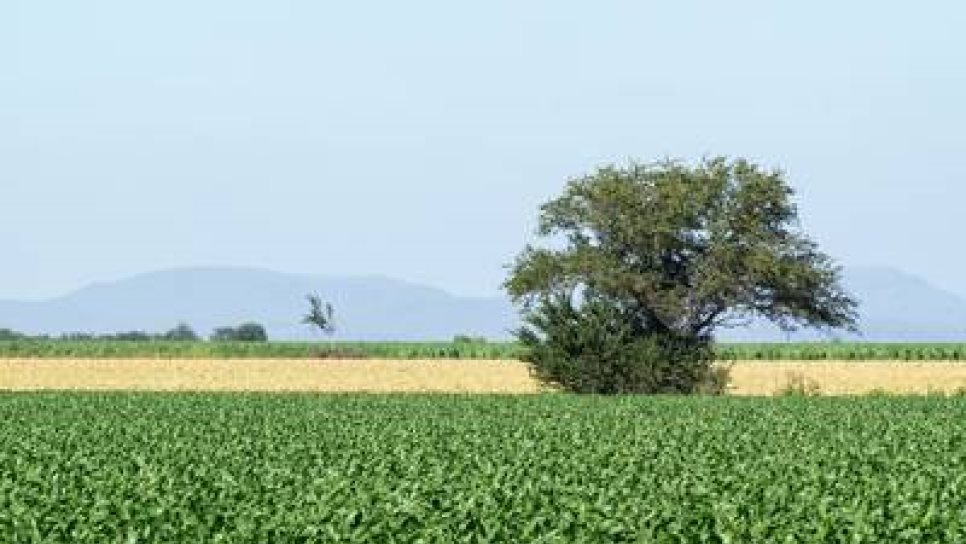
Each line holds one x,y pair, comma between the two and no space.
230,349
466,339
182,333
246,332
842,351
7,334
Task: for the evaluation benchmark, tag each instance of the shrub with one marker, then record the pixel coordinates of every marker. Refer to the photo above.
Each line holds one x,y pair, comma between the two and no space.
182,332
246,332
798,385
594,348
467,339
8,334
130,336
251,332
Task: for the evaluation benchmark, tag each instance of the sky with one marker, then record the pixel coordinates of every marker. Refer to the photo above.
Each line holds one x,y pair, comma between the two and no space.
417,139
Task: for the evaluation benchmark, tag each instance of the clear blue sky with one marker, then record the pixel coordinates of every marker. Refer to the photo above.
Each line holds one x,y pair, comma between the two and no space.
416,139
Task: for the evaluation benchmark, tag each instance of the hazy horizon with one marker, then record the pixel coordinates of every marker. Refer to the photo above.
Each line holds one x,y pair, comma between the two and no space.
883,271
417,140
893,307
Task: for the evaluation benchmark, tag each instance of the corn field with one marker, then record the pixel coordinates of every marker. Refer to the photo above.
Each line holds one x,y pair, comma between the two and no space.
97,349
92,468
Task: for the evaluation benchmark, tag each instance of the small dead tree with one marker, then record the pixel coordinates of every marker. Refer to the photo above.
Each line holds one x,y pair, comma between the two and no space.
320,315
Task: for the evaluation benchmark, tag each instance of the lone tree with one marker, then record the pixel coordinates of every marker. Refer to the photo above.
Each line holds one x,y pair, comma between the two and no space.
182,332
320,315
649,260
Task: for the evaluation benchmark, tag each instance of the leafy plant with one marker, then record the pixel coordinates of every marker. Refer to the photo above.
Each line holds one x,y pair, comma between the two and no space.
467,339
246,332
665,254
133,467
595,348
182,333
8,334
797,384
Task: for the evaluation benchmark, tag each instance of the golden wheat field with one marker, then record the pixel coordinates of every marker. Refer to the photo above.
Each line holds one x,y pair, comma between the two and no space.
325,375
450,376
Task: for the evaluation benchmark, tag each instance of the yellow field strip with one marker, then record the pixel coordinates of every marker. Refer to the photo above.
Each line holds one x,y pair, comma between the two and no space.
451,376
849,377
328,375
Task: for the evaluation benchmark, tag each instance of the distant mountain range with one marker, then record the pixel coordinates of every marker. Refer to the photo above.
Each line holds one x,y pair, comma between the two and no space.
366,308
895,307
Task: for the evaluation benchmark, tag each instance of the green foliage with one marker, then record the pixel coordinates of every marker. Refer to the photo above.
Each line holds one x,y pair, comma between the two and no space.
842,351
92,468
222,334
8,334
96,348
672,251
251,332
182,333
132,336
246,332
799,385
467,339
595,348
687,249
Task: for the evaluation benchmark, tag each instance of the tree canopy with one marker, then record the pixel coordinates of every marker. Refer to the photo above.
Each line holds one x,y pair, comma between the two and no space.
645,262
685,249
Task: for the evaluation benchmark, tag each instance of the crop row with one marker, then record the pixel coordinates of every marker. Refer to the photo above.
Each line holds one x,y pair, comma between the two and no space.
448,350
844,351
86,468
97,349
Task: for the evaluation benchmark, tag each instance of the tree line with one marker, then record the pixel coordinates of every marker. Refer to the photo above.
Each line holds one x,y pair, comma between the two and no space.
246,332
320,315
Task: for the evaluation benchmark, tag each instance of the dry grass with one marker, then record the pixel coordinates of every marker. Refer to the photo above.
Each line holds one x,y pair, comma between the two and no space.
329,375
454,376
848,377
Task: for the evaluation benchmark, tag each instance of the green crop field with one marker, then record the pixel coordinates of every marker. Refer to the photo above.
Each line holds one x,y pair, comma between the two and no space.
32,348
166,349
844,351
86,468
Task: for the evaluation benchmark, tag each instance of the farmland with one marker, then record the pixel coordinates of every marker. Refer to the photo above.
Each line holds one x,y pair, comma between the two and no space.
97,349
491,367
331,375
805,351
129,467
445,375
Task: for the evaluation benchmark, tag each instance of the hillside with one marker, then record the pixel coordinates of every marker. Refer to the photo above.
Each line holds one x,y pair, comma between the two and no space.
894,306
367,308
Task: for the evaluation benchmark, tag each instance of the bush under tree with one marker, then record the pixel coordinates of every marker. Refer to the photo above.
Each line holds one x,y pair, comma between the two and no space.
656,257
